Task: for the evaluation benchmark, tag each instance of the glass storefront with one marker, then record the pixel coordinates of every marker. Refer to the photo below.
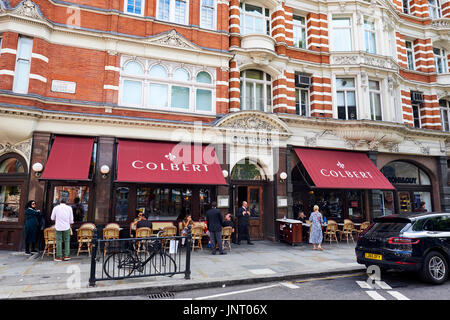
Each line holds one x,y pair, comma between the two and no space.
9,203
73,195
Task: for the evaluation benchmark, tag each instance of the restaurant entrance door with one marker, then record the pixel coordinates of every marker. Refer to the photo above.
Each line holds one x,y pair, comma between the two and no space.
253,195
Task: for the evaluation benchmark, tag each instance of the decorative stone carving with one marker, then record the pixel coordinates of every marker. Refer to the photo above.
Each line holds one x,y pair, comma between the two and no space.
22,148
441,23
172,39
312,141
29,9
345,59
364,59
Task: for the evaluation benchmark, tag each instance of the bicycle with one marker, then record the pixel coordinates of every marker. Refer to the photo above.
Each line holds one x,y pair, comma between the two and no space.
122,264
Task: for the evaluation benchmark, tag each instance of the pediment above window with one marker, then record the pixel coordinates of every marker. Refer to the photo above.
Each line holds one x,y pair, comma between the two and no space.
172,39
27,9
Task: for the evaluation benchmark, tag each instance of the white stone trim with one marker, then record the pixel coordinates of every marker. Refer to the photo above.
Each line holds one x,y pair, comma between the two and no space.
8,50
38,77
110,87
112,68
39,56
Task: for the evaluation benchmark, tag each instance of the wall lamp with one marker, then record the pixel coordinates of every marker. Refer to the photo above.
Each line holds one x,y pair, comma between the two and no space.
104,170
225,173
283,177
37,168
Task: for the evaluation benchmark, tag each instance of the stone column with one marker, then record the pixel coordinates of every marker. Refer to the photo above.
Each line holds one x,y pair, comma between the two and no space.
444,189
103,195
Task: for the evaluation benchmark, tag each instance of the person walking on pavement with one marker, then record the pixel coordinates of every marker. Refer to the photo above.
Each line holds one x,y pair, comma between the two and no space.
62,214
243,223
214,223
32,216
315,234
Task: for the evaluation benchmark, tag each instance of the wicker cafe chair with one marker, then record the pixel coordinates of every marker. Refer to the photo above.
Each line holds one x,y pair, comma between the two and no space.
143,232
330,232
363,227
226,237
347,231
108,234
168,231
84,237
50,241
112,225
197,234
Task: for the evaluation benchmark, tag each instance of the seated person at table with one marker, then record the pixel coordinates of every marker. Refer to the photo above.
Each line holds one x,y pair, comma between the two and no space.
301,217
186,222
138,218
228,222
144,223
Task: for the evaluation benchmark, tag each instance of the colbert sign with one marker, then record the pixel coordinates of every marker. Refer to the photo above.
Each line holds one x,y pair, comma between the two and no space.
342,170
166,162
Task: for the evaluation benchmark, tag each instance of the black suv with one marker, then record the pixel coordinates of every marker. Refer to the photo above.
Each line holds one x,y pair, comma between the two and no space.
414,242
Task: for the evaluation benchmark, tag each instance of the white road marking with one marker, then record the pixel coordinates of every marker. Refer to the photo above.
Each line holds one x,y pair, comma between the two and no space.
289,285
375,295
236,292
383,285
364,285
397,295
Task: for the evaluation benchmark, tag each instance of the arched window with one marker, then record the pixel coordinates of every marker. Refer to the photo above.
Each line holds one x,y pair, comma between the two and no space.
11,165
12,182
204,96
132,89
256,90
180,93
247,170
159,92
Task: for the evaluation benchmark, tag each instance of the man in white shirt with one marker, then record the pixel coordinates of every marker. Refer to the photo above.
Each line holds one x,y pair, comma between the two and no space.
62,214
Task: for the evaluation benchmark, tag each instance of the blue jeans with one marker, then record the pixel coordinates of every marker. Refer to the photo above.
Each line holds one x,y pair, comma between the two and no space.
60,237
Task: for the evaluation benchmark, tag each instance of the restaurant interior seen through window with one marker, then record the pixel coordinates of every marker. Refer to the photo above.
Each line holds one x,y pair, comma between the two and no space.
73,195
10,190
162,202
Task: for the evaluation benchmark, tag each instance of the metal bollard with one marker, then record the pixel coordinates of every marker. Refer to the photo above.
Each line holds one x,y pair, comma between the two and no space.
93,257
187,274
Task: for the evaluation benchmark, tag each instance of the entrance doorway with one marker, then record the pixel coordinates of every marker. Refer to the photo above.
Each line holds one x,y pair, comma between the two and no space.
248,180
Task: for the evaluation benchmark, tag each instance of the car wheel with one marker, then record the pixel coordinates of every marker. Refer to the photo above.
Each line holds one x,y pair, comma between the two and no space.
435,268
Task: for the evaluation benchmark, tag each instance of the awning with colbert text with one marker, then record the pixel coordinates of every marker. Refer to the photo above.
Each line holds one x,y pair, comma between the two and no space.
167,162
332,169
70,158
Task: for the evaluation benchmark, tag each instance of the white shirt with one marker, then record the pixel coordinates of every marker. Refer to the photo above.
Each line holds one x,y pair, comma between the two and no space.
63,216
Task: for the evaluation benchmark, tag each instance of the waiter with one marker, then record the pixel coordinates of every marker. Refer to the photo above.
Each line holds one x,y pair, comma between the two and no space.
243,222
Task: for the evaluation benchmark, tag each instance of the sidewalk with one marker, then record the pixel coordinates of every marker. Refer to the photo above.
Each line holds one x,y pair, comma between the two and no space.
28,277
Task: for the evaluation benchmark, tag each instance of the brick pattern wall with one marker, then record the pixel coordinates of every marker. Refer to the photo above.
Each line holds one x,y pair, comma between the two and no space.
222,91
445,5
290,92
423,55
407,111
279,94
39,70
317,32
419,8
430,114
401,50
235,24
320,97
8,60
235,87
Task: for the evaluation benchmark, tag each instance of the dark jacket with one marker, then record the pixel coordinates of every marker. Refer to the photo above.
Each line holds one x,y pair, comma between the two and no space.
242,218
31,224
214,220
144,224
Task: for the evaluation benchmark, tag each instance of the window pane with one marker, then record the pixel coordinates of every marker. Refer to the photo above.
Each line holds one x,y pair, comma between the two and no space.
163,10
259,96
9,203
259,25
204,100
345,82
269,96
351,112
249,96
180,11
374,85
11,165
22,76
351,101
133,68
159,94
132,92
253,9
181,75
203,77
73,194
254,74
158,72
25,47
180,97
342,40
122,195
340,98
341,113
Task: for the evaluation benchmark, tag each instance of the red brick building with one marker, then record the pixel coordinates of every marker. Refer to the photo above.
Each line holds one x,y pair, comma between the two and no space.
256,80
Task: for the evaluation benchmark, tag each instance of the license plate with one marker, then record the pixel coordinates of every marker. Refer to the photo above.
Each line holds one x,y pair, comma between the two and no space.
373,256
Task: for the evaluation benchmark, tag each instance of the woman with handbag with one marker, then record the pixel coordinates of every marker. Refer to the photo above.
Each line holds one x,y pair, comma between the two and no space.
315,234
31,226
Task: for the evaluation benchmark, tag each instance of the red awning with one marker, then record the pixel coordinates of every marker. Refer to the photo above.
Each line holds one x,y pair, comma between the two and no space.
70,159
166,162
342,170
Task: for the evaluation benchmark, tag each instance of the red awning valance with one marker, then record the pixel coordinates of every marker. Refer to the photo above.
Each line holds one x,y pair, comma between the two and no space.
167,162
342,170
70,159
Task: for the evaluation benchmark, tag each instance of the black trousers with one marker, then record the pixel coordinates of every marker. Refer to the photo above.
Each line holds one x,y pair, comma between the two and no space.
216,237
243,233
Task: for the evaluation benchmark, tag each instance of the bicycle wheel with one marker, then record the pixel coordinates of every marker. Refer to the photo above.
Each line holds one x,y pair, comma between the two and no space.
163,264
119,265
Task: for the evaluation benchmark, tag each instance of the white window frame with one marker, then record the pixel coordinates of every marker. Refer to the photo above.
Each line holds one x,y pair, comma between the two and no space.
445,113
345,91
405,8
372,93
22,56
125,8
410,50
371,32
337,29
416,106
298,93
266,19
170,67
442,56
214,22
172,13
298,25
265,83
435,9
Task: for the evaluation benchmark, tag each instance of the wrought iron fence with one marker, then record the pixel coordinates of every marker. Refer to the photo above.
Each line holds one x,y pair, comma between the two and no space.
116,259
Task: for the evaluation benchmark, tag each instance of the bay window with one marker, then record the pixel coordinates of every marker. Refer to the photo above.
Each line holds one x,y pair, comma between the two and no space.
173,11
346,98
445,120
440,60
342,34
369,36
254,19
256,90
375,100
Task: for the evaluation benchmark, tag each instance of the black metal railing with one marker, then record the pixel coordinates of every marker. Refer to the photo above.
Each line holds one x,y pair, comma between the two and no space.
116,259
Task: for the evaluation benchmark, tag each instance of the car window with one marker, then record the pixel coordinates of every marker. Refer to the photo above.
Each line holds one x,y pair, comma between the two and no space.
442,224
418,226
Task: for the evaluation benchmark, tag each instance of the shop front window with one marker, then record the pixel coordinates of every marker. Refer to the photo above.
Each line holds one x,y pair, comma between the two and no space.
164,203
74,196
330,203
205,200
122,204
387,203
9,203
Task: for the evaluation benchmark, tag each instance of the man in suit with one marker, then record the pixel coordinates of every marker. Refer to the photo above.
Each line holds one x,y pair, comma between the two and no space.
243,223
214,223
